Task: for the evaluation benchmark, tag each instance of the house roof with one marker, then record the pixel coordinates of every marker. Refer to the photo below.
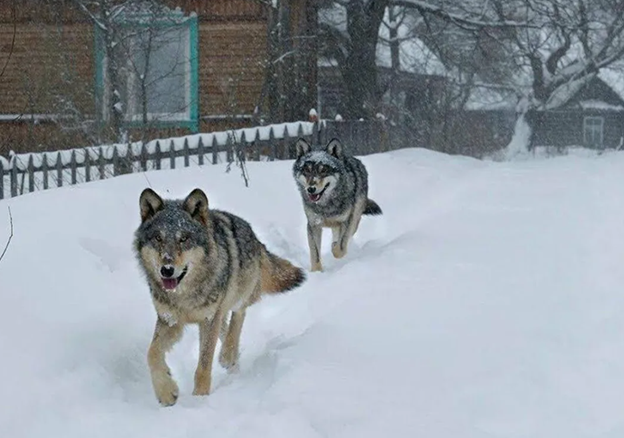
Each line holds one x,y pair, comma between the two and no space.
595,91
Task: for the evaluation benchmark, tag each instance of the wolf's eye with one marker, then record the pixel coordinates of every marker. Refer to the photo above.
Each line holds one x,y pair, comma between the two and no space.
157,238
183,239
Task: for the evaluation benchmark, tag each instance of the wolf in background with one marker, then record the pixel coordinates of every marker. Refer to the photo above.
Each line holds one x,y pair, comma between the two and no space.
200,264
334,190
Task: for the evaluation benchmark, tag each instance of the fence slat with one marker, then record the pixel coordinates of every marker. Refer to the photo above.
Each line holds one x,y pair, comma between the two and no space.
215,150
157,156
172,157
87,165
1,180
101,163
13,176
143,157
31,174
59,170
73,165
200,151
273,144
115,161
45,169
186,153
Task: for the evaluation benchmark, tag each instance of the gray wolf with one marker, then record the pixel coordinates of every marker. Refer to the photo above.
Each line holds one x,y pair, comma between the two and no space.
334,190
201,264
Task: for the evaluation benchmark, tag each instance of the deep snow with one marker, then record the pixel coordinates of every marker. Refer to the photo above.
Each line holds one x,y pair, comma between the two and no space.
486,302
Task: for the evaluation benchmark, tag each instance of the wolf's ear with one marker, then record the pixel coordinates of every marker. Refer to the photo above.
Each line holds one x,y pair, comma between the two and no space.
196,204
150,204
303,147
334,147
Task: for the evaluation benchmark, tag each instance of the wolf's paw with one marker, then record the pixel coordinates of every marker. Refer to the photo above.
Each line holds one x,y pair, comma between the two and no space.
202,384
316,267
337,251
167,392
228,359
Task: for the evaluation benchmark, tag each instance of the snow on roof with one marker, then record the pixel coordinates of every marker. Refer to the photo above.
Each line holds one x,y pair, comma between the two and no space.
600,105
614,78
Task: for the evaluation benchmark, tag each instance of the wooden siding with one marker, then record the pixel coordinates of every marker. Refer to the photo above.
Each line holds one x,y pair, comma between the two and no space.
38,71
53,11
231,67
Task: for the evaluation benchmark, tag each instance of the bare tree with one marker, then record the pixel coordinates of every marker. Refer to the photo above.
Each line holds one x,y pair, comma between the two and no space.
353,44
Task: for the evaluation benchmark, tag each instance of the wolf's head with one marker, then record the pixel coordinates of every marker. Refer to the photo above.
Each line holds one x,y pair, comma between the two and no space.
317,172
172,239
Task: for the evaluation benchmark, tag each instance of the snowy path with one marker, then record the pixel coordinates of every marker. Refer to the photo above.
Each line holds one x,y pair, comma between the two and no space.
486,302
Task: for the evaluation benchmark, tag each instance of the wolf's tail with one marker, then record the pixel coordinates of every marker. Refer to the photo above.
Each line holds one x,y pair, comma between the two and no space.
278,274
372,208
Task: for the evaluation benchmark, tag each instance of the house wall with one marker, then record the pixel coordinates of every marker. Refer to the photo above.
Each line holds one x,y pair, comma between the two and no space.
48,49
565,127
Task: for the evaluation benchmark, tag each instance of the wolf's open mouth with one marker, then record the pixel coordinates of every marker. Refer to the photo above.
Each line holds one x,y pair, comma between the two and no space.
314,197
172,283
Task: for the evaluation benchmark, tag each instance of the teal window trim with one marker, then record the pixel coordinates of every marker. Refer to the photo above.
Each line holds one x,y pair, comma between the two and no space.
192,122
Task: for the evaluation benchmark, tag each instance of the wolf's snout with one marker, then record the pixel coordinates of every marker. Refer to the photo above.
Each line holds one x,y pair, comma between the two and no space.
167,271
311,190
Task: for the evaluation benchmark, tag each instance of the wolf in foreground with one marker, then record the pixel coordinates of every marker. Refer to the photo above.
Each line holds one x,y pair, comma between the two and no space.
334,190
200,264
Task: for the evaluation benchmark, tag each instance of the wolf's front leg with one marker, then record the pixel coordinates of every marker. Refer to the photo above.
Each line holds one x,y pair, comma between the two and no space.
228,358
165,337
339,248
345,233
208,335
315,234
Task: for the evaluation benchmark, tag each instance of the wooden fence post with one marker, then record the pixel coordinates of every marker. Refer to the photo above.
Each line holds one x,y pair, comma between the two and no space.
31,174
87,165
157,156
46,170
215,149
186,152
172,157
13,182
73,165
1,179
59,170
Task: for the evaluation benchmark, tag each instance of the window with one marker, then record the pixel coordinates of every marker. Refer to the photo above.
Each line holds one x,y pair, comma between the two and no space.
151,65
593,131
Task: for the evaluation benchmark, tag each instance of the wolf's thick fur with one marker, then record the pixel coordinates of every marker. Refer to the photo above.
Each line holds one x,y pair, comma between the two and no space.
201,264
334,190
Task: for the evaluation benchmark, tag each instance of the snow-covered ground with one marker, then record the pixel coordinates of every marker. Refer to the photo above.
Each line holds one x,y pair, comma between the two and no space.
487,301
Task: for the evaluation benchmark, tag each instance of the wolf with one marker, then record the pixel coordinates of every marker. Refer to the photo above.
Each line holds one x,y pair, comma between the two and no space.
334,190
200,264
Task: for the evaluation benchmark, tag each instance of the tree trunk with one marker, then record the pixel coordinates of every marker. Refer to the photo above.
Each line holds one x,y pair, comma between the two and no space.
360,69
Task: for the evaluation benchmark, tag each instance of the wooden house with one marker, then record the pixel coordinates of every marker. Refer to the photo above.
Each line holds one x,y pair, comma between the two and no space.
54,76
587,113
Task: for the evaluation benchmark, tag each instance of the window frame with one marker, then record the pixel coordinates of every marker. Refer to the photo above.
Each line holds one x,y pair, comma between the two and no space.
590,128
190,118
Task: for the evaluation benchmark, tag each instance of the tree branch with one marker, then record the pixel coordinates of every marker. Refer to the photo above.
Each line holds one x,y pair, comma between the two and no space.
6,247
463,21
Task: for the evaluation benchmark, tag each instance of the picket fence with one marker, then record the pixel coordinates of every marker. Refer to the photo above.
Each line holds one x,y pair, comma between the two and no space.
26,173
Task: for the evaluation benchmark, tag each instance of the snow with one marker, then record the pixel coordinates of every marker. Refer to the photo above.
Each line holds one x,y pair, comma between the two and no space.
485,302
518,147
599,105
